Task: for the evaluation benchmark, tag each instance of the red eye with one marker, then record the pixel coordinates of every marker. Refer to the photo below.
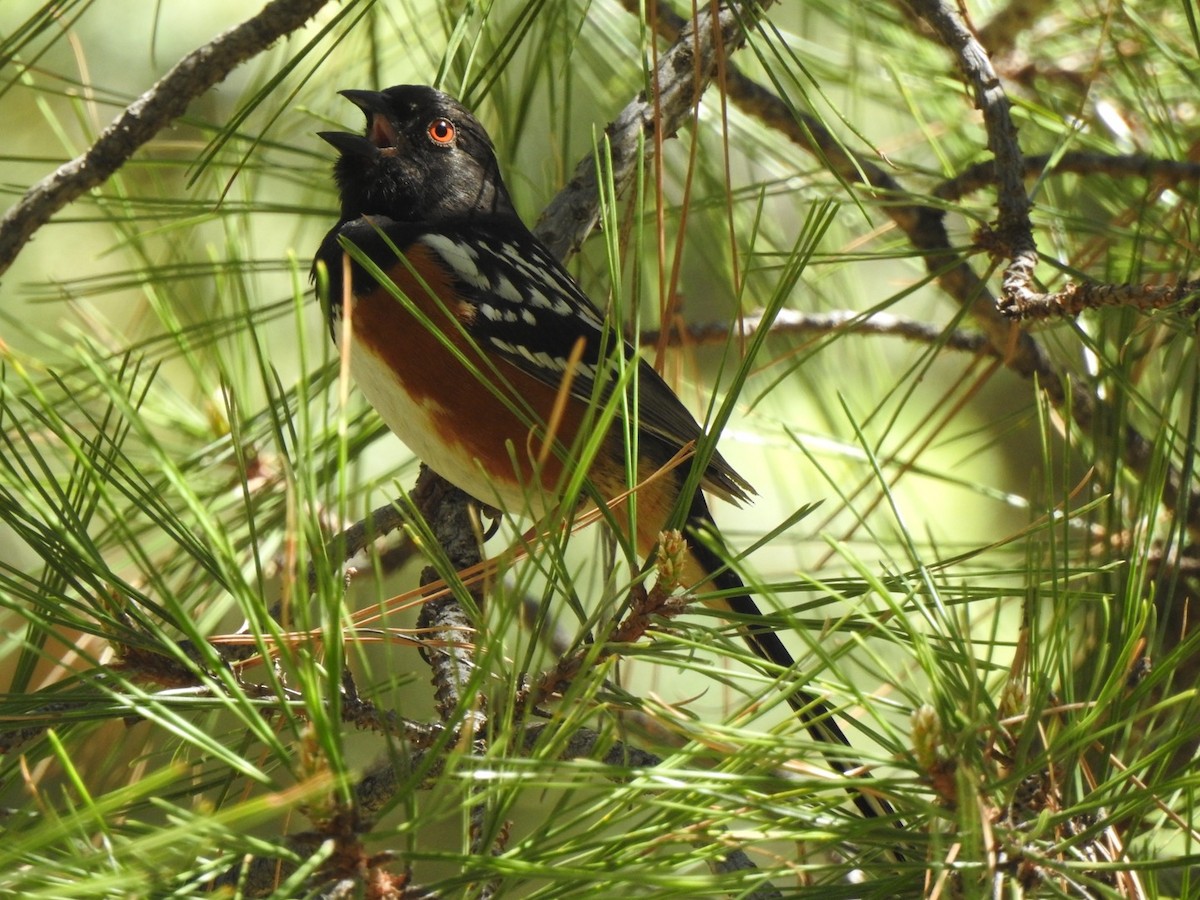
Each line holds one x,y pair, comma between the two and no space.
441,131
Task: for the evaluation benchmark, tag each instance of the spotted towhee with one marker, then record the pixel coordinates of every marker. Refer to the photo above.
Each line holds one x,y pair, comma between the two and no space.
479,349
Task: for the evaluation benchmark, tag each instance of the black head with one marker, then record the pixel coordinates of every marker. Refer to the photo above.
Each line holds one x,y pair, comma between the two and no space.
423,157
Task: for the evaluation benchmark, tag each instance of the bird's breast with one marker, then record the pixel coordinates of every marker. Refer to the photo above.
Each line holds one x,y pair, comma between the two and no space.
464,420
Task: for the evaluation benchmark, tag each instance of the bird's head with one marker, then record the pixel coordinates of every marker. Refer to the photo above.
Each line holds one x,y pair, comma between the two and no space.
422,157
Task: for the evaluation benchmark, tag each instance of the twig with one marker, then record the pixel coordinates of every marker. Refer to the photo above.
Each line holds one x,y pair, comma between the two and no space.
1014,231
347,872
365,714
644,606
344,546
1075,298
352,541
795,322
1166,172
923,225
447,511
146,116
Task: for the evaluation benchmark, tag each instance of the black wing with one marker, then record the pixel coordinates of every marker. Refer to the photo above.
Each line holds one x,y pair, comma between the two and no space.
531,312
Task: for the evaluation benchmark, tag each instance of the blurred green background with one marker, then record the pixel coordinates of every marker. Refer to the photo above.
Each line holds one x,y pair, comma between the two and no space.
953,495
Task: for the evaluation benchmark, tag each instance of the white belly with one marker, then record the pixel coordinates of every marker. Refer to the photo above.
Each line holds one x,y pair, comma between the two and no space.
417,424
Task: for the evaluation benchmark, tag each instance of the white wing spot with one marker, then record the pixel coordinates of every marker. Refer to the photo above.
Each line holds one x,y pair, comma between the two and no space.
562,307
564,281
530,318
489,312
510,315
524,265
462,258
543,359
504,288
539,300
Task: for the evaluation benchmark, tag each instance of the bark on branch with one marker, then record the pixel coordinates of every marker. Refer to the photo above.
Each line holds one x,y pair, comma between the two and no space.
147,116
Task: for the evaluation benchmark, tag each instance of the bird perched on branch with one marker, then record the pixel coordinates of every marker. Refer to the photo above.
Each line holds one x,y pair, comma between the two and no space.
484,355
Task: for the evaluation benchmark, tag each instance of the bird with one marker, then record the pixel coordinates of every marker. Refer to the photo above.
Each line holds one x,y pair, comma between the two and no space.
495,340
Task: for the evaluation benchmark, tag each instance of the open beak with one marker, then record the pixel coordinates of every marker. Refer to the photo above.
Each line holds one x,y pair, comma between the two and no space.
381,130
372,103
381,134
350,144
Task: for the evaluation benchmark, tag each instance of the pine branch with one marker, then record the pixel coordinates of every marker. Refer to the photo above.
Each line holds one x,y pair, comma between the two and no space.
147,116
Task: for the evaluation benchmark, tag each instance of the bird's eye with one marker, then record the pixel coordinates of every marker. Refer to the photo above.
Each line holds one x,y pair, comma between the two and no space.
441,131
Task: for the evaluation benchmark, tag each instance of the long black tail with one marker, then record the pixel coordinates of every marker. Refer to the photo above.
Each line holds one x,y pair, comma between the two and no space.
814,714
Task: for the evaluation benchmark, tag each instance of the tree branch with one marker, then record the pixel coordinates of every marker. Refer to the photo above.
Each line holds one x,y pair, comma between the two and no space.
1072,299
1014,231
1167,172
1075,298
925,228
447,510
146,116
923,225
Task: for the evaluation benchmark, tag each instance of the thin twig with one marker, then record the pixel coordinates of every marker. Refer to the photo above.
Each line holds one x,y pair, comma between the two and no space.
659,601
344,546
448,513
352,541
795,322
1164,172
147,116
1074,298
